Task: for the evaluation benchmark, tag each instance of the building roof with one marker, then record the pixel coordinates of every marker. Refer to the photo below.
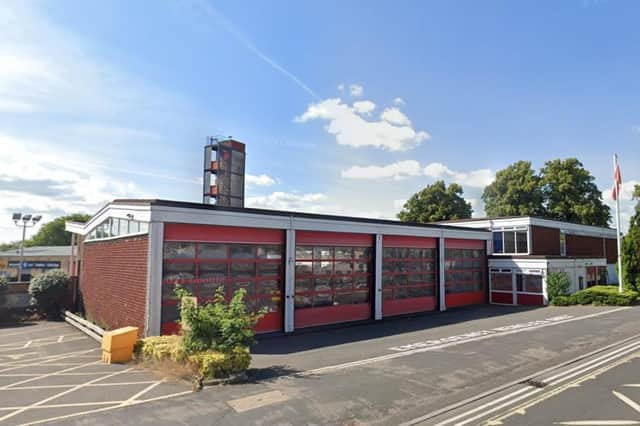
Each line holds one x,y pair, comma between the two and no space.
497,218
201,206
43,251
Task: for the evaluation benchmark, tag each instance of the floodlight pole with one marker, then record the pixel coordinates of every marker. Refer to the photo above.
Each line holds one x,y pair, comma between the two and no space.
24,234
27,222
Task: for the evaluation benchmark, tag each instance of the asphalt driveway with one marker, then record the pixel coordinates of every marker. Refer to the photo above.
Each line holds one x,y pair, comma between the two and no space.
49,371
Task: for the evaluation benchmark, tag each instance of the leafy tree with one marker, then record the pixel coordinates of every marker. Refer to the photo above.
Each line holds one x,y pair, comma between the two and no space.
48,290
570,193
558,285
53,233
516,191
434,203
631,248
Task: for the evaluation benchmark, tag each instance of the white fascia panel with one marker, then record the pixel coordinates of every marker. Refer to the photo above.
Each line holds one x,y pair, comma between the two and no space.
518,263
140,213
575,229
153,314
218,217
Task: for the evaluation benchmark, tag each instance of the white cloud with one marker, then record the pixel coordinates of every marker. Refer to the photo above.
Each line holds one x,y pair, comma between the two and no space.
399,101
350,128
259,180
288,201
341,87
395,116
356,90
475,178
398,170
364,107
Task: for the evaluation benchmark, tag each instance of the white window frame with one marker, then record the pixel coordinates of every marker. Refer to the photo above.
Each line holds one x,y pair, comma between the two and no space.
515,230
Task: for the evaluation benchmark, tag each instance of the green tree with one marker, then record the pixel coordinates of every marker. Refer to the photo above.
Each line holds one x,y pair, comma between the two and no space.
53,233
516,191
570,193
434,203
631,248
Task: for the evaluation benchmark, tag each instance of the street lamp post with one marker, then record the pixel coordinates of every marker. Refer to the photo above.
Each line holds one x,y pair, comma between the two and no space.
28,221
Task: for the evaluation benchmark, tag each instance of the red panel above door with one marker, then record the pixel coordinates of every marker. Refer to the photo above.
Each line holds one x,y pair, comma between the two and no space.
221,234
333,238
411,242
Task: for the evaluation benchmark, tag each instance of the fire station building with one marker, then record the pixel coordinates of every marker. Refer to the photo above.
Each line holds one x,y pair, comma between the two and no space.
306,269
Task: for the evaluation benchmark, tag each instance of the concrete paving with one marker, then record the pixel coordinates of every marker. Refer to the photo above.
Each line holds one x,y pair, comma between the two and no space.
50,371
391,372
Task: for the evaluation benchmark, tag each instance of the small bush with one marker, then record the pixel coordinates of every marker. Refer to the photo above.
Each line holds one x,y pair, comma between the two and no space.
4,288
213,364
558,284
561,301
160,348
48,291
217,325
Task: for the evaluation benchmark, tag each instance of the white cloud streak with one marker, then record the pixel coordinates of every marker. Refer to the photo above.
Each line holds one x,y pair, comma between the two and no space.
350,128
228,26
356,90
397,171
259,180
475,178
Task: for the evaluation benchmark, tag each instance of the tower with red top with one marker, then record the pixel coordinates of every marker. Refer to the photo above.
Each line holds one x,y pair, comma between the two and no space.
228,168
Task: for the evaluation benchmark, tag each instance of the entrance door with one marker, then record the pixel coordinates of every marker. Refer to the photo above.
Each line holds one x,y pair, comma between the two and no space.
333,278
502,286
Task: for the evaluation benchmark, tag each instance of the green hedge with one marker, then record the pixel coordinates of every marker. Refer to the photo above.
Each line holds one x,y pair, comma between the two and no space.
599,295
209,364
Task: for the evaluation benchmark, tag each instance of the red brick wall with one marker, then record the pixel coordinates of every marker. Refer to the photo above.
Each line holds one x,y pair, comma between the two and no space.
545,241
113,282
578,245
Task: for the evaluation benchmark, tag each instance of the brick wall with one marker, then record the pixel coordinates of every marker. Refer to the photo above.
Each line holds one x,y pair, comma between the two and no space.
545,241
113,282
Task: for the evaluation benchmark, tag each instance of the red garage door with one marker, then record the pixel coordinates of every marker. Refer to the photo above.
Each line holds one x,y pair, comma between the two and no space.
333,278
204,258
464,272
408,275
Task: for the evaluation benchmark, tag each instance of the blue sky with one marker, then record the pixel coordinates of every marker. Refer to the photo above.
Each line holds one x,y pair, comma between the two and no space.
345,107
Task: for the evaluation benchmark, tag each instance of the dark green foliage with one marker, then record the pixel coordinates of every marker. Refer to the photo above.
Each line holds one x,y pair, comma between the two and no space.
571,195
217,325
557,285
49,290
516,191
599,295
631,248
434,203
4,288
53,233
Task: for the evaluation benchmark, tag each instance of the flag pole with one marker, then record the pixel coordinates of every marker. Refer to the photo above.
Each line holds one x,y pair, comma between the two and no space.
615,167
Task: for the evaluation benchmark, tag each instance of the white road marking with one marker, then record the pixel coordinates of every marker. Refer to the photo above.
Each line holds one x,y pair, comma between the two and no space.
42,376
631,403
60,338
99,410
146,382
31,331
44,359
395,355
567,374
44,401
631,386
142,392
26,345
72,404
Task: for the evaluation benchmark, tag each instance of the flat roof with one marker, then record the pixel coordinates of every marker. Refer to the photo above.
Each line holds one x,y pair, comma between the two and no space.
43,251
250,210
481,219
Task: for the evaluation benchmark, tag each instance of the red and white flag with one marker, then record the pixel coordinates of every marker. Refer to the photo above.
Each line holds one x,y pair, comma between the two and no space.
617,182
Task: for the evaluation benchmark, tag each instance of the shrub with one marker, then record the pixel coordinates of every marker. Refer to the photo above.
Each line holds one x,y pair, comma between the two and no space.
48,290
4,287
217,325
213,364
561,301
160,348
557,285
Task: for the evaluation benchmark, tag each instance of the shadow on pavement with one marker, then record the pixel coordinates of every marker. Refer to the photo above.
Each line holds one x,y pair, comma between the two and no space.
266,374
319,337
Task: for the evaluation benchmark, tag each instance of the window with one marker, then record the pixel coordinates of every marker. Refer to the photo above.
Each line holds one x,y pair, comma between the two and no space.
204,267
501,281
510,241
464,270
332,276
115,227
408,272
528,283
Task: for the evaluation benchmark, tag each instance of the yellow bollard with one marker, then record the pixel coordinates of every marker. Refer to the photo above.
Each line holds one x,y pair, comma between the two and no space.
117,345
